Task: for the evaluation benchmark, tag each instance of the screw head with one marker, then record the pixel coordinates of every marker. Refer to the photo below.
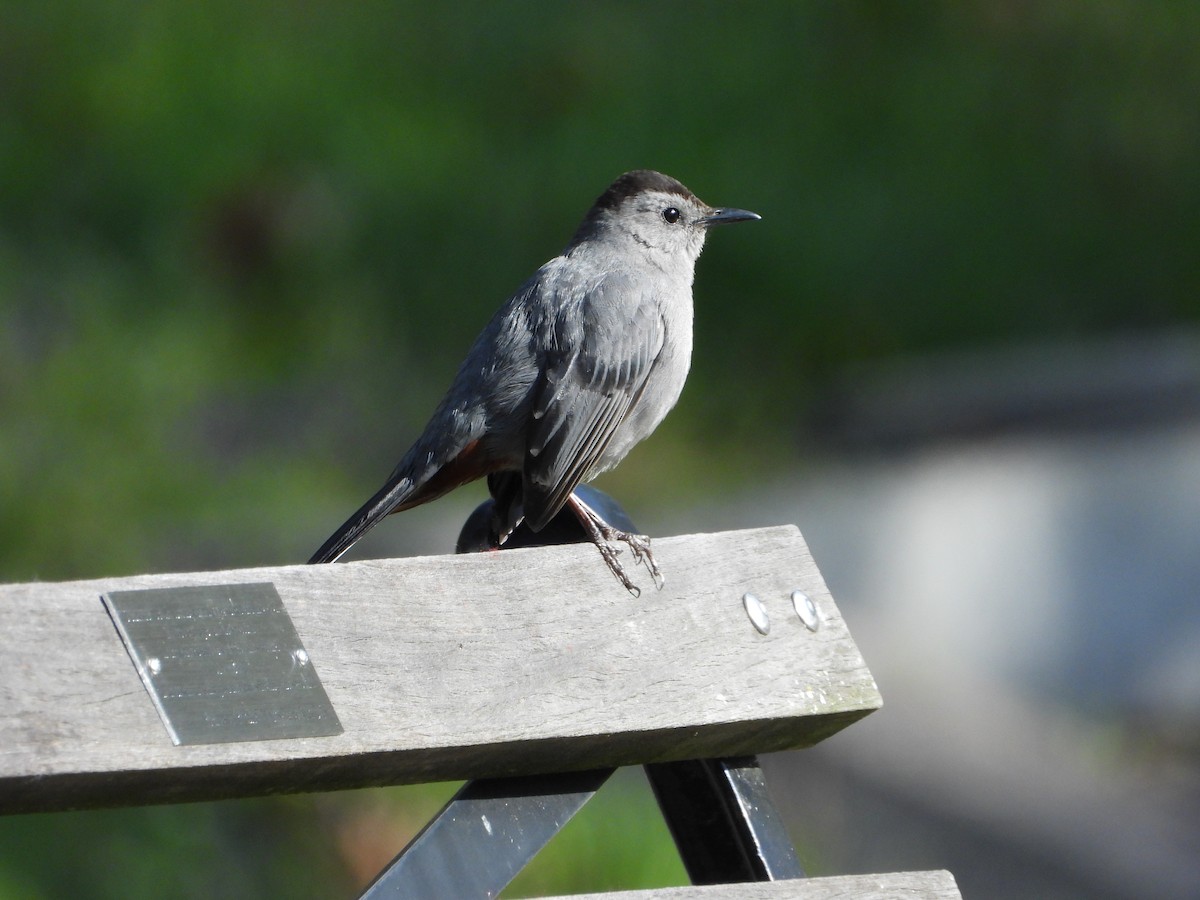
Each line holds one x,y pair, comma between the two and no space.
757,613
806,609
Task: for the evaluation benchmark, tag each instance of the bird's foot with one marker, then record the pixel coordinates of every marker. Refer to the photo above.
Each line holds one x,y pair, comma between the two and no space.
610,554
605,537
639,546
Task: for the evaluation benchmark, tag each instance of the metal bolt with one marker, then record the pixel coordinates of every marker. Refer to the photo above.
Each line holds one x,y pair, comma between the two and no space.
806,610
757,613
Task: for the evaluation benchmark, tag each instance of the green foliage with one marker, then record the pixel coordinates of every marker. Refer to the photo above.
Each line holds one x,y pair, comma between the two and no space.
244,245
238,849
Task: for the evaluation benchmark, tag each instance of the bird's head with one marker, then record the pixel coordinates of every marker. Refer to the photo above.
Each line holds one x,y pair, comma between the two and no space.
654,212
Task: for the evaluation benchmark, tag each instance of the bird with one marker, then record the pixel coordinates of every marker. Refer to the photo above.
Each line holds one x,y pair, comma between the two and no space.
580,364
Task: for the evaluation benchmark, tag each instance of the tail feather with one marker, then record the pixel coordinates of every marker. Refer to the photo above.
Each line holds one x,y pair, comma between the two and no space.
418,479
387,499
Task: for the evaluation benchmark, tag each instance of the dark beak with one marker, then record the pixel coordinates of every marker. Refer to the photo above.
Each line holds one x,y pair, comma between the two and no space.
723,216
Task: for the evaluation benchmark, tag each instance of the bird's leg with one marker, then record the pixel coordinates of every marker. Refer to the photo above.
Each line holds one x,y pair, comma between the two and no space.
603,535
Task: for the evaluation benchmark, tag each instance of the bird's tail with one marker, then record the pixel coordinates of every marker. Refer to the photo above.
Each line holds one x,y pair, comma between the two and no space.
422,475
387,499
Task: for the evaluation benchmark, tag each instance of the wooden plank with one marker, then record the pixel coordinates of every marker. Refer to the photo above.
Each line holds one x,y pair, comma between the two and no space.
898,886
446,668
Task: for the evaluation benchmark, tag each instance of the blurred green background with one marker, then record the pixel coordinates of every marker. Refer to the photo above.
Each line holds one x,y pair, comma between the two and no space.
243,247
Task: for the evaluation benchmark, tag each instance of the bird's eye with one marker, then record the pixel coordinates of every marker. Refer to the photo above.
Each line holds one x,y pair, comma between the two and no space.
670,215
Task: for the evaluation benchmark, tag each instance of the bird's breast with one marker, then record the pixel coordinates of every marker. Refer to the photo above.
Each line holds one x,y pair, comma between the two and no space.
663,386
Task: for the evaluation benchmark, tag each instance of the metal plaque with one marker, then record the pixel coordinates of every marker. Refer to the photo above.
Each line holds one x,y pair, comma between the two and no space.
222,663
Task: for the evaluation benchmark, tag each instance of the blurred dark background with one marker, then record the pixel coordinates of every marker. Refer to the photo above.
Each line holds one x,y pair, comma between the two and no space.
243,247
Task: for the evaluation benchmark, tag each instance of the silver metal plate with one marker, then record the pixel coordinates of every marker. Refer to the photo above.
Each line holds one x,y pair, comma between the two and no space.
222,663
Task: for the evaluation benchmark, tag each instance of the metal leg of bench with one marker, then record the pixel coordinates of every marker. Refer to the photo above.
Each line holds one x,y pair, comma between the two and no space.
485,835
723,820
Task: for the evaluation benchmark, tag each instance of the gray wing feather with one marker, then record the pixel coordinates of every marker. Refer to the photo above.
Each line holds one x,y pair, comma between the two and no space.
606,346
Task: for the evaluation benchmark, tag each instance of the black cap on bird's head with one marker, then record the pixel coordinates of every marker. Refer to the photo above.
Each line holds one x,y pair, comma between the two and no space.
637,182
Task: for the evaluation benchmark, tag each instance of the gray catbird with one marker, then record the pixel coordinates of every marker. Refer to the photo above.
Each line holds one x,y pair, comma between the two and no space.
580,364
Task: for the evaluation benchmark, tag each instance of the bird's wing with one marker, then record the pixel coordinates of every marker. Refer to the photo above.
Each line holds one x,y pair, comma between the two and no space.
606,344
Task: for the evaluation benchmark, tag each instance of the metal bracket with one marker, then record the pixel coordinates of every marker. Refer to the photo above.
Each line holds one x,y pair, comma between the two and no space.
723,820
719,812
485,835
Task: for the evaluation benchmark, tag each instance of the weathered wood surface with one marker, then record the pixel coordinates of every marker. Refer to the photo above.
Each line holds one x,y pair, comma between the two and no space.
899,886
446,668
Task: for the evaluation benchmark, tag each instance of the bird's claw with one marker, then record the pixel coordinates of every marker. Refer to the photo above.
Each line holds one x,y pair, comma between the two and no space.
605,536
609,554
639,546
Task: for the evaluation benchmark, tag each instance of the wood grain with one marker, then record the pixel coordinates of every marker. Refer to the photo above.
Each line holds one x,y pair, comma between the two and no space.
938,885
446,668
